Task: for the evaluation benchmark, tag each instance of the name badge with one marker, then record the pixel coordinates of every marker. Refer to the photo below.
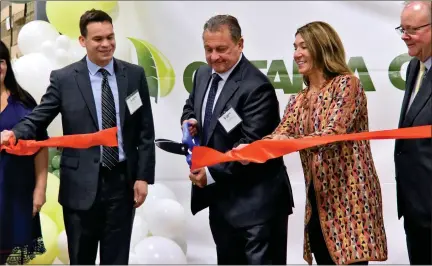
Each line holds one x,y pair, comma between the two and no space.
133,102
229,120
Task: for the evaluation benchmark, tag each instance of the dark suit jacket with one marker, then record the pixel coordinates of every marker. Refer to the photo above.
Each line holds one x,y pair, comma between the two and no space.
70,94
413,158
246,195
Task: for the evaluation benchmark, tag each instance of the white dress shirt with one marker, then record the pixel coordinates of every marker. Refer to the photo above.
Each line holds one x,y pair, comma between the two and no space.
224,77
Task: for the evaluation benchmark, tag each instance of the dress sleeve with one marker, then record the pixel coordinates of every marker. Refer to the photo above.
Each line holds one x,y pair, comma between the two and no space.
287,125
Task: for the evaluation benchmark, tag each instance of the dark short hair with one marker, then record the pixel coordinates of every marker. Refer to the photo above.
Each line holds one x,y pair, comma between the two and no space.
92,16
214,24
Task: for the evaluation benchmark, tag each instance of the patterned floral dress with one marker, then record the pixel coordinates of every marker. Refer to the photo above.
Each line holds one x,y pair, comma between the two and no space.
346,184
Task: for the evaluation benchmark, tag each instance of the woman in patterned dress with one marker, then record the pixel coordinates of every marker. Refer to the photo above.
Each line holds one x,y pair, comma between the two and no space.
344,217
23,179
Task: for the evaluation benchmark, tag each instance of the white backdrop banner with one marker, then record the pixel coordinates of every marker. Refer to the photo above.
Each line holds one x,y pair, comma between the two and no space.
166,39
374,51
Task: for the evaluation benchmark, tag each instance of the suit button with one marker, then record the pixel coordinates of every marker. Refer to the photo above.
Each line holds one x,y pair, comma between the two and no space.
96,160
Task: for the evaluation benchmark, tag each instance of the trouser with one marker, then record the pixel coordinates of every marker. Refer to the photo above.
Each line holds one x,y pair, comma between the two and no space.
418,239
263,244
108,222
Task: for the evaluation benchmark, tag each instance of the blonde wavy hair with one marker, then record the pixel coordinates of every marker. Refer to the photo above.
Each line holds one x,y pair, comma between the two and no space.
325,48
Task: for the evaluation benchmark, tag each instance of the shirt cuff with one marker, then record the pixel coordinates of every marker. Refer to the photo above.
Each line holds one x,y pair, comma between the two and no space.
210,179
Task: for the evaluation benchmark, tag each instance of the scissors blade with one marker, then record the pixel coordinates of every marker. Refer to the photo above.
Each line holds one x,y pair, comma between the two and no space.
172,146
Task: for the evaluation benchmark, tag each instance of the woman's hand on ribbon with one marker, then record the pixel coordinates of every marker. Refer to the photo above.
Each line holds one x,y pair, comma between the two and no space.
241,146
7,138
279,137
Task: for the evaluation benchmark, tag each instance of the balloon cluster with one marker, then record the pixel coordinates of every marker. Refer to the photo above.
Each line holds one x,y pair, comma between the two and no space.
159,229
44,50
159,225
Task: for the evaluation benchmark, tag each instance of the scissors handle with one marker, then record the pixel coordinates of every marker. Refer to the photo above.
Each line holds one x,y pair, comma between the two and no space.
189,141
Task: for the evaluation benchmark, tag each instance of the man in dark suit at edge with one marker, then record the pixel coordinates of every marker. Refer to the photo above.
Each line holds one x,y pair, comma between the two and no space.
413,158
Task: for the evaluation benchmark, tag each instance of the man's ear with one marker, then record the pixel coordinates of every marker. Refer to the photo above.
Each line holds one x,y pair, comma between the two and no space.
240,43
81,40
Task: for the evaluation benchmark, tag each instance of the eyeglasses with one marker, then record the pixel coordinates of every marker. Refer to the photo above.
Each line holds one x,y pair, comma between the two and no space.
410,31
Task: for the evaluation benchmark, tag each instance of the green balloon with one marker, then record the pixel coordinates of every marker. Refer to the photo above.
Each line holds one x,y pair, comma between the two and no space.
51,153
56,162
56,173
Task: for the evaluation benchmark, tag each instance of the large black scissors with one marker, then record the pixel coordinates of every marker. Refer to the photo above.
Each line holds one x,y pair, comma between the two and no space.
183,148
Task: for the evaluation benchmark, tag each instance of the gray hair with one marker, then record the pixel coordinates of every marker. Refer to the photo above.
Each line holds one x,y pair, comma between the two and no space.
216,22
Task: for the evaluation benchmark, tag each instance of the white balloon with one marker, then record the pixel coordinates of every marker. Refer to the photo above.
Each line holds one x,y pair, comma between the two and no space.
166,218
155,192
62,58
181,241
63,253
159,250
160,191
33,72
76,51
63,42
139,231
133,258
33,34
48,49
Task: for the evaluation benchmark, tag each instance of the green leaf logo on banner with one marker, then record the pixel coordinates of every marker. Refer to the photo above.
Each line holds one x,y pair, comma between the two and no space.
159,72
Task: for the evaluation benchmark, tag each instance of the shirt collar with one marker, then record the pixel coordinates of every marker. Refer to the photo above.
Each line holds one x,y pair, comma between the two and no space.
93,68
428,63
226,74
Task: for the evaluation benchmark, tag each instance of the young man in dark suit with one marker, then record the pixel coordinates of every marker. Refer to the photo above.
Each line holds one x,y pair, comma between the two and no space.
99,186
231,103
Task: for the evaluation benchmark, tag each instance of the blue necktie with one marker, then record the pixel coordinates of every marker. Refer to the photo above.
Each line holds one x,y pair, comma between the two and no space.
209,105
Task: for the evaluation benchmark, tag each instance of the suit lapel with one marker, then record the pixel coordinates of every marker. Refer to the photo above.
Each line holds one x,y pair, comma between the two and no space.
201,92
423,95
83,81
230,87
408,90
122,86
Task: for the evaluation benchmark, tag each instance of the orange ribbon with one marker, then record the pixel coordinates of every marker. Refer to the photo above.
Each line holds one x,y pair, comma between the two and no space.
262,150
106,137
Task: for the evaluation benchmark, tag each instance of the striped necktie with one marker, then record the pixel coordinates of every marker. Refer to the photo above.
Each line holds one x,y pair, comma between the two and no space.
110,155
